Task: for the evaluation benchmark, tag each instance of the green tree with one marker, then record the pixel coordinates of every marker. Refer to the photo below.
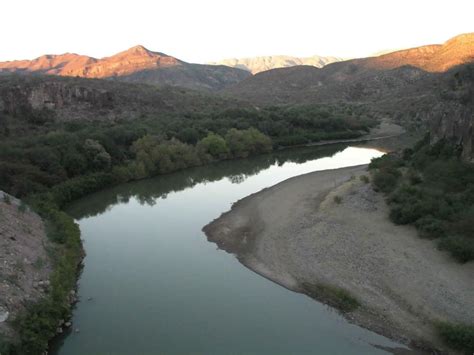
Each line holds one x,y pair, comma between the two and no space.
212,147
97,156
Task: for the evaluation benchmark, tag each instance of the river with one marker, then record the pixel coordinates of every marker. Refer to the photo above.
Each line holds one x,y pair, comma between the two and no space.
153,284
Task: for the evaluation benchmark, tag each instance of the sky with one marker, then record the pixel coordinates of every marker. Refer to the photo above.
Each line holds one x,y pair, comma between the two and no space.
202,31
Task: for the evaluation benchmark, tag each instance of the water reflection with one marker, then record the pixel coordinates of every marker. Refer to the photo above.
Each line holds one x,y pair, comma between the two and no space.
236,171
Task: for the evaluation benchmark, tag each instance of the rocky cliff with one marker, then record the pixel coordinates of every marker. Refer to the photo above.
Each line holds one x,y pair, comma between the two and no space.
452,117
43,98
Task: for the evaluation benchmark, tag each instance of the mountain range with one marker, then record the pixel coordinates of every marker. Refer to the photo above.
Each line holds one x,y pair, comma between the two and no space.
136,64
258,64
293,77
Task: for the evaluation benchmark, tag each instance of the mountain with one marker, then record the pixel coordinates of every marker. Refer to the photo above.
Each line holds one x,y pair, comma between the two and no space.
136,64
431,58
258,64
357,79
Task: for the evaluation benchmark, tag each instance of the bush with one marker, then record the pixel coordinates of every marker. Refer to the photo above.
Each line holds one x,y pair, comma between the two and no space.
338,199
387,161
386,180
7,199
460,247
212,147
365,179
436,194
334,296
458,336
430,227
23,207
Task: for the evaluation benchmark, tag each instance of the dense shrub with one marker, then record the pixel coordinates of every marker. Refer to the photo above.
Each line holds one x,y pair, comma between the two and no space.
430,227
434,190
460,247
386,179
458,336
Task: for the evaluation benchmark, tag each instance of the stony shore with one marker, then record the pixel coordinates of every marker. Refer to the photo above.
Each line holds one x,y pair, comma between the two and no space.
330,228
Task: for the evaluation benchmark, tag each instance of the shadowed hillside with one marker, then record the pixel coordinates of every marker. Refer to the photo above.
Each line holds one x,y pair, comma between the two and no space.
136,64
358,79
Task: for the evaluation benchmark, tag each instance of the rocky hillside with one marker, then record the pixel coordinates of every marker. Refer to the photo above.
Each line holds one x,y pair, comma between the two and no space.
42,98
258,64
452,117
367,78
26,265
136,64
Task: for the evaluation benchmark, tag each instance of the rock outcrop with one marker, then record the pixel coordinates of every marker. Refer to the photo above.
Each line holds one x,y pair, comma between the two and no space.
452,117
42,98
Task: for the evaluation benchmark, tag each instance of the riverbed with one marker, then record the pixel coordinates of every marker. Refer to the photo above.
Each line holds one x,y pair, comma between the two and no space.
153,284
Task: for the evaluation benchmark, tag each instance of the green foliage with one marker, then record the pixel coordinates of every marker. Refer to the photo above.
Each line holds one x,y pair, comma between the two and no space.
243,143
434,190
97,156
386,179
430,227
460,247
35,157
458,336
336,297
212,147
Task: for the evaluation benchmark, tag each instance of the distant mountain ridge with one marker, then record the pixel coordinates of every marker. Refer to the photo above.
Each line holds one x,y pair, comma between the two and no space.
258,64
136,64
368,78
432,58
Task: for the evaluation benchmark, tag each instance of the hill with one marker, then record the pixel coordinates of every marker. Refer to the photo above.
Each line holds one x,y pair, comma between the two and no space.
357,79
136,64
39,99
258,64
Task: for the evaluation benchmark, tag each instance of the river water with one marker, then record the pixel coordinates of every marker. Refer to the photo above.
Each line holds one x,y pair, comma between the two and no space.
153,284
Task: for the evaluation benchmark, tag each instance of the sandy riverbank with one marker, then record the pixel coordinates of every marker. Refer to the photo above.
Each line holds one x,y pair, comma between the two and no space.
295,233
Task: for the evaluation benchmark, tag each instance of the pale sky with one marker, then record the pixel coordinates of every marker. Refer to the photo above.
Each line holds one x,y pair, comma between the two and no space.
200,31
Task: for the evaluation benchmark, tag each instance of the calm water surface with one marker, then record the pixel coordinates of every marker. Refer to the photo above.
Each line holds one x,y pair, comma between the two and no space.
153,284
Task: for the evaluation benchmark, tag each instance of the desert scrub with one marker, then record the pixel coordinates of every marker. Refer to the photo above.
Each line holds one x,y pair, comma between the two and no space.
23,207
433,189
457,336
338,199
461,248
336,297
365,179
7,199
